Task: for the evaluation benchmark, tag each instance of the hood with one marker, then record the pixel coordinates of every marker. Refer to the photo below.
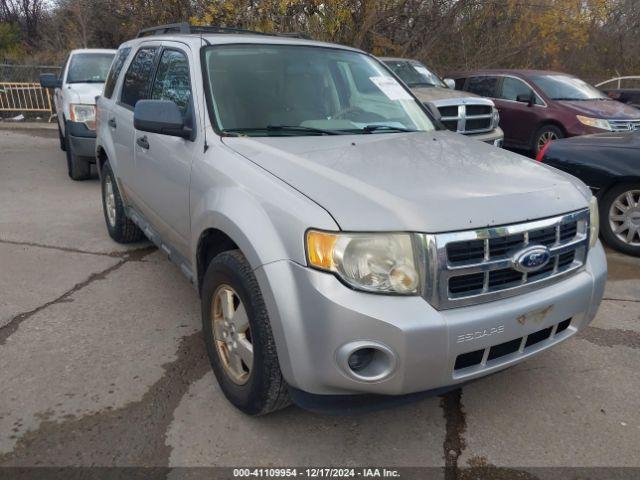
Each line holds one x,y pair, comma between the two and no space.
609,109
608,140
426,182
430,94
84,92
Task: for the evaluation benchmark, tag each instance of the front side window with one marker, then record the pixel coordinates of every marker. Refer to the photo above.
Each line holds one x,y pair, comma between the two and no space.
172,80
115,70
89,67
513,87
137,79
564,87
415,74
299,90
483,86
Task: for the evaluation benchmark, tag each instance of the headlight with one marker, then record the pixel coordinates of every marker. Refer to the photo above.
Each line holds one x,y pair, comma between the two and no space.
496,118
374,262
594,222
83,114
594,122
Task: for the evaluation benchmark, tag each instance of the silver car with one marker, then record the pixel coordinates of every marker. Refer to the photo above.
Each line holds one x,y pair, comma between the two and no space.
345,249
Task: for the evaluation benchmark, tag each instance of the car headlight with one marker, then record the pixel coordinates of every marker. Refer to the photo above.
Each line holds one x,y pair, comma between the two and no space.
83,113
600,123
594,222
496,118
373,262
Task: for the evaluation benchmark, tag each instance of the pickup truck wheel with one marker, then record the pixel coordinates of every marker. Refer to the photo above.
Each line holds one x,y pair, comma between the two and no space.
544,135
63,141
238,337
620,218
78,168
121,228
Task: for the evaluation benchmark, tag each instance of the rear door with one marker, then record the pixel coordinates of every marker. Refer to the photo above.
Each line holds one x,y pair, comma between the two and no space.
519,120
135,86
162,162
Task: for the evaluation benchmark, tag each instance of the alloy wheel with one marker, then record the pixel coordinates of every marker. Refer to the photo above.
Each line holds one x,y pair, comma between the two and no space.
232,334
624,217
546,137
110,201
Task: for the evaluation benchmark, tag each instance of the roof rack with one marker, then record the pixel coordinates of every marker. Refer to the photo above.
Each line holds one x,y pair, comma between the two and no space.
186,28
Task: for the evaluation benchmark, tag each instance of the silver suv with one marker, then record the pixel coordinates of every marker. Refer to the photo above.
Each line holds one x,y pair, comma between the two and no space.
341,243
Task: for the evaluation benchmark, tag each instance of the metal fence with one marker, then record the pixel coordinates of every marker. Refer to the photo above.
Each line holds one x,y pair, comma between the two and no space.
20,90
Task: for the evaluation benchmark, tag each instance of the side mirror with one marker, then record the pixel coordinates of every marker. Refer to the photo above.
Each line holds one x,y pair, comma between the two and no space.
160,116
451,83
525,98
50,80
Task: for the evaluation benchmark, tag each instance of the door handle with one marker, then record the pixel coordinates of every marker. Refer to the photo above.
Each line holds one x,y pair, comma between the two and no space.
143,142
112,122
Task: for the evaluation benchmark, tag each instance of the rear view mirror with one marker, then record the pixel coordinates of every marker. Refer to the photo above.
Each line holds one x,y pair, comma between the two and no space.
525,98
450,83
160,116
50,80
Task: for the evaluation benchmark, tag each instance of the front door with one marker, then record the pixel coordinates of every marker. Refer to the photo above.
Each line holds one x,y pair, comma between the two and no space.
518,119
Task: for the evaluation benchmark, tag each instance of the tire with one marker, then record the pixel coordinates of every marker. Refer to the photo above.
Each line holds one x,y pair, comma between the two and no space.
78,168
262,389
611,216
544,134
63,141
121,228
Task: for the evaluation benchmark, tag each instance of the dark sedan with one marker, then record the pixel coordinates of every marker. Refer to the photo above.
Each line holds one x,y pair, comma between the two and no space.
609,163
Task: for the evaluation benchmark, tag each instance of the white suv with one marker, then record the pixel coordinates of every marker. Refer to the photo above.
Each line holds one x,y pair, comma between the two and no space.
80,82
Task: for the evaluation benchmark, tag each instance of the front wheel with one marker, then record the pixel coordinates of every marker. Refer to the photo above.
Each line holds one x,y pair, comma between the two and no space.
78,167
544,135
620,218
238,337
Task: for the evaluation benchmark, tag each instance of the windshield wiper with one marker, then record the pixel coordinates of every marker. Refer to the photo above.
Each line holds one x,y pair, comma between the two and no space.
389,128
283,128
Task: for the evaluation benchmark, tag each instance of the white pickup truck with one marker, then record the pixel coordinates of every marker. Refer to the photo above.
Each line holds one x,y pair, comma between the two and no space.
80,82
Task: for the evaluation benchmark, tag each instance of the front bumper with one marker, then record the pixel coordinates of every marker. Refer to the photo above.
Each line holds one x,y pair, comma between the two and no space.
494,137
82,140
313,316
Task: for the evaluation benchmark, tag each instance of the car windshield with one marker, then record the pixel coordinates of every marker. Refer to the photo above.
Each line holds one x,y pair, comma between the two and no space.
414,73
89,67
282,90
564,87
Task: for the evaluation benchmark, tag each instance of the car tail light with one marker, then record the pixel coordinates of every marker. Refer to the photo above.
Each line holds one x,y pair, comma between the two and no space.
542,152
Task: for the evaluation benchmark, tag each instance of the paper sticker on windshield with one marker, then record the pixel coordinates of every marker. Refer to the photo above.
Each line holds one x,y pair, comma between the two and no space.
422,70
392,89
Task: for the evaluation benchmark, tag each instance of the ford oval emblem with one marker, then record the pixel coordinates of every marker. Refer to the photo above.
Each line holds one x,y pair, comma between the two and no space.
531,259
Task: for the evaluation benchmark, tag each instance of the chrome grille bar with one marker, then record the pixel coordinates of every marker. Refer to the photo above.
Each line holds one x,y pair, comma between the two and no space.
486,277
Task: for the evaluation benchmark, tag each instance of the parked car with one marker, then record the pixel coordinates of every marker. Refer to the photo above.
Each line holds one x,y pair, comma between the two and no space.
80,82
461,112
538,106
610,164
623,89
342,244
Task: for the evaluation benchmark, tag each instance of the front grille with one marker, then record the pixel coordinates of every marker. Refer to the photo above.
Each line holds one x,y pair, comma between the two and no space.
517,345
466,118
624,125
480,265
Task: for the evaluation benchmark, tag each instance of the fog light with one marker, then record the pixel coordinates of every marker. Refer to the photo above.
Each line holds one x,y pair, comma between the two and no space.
360,359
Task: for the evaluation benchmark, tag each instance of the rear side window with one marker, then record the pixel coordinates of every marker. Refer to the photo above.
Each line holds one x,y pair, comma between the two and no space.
172,80
483,86
114,73
138,77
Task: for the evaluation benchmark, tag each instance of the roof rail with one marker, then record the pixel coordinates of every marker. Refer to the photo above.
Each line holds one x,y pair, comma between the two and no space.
186,28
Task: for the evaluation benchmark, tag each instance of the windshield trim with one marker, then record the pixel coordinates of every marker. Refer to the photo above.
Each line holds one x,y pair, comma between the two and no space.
213,119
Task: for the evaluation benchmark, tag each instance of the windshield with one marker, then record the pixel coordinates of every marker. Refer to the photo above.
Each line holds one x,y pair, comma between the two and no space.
564,87
278,90
415,74
89,67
